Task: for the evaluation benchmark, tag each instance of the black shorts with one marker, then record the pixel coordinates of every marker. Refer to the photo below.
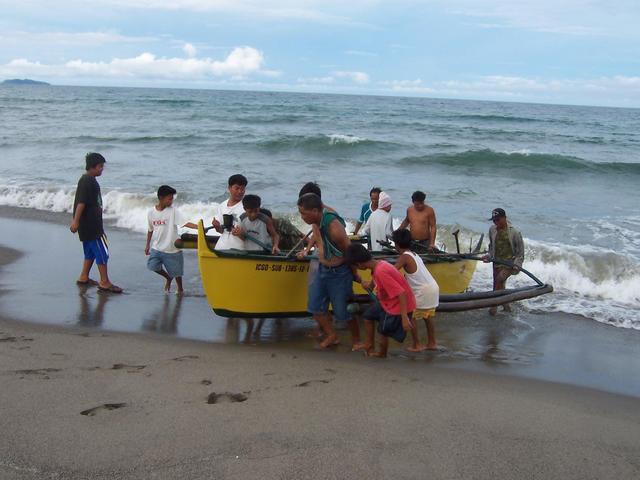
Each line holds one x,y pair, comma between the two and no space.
389,325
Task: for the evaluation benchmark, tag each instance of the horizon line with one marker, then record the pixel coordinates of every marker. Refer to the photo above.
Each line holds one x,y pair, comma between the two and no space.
292,91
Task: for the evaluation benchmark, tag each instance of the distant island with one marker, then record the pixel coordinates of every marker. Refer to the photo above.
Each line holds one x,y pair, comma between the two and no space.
24,81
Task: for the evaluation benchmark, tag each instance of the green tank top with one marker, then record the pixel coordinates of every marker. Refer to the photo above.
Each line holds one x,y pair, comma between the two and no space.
503,247
330,250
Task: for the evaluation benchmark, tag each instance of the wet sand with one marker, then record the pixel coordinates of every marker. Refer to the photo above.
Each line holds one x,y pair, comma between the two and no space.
80,400
40,287
82,403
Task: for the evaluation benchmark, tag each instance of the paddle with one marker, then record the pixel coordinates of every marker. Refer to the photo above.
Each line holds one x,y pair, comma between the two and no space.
299,243
257,242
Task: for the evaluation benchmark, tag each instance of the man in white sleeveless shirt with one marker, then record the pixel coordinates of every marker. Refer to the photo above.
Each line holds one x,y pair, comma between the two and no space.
424,286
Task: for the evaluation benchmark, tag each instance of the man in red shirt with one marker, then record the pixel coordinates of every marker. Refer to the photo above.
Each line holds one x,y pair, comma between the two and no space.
395,303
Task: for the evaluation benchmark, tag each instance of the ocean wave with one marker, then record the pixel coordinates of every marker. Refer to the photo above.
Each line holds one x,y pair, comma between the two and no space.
122,209
336,139
512,161
596,283
170,101
497,118
493,118
271,119
319,143
138,139
592,140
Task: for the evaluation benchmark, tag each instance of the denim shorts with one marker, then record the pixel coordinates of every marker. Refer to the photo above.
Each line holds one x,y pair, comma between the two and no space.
173,263
389,325
331,285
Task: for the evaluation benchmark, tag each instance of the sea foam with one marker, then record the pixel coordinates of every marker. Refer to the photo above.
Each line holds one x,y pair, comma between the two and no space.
597,283
337,138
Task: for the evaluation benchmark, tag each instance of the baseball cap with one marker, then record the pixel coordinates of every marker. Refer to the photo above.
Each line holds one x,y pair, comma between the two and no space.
497,213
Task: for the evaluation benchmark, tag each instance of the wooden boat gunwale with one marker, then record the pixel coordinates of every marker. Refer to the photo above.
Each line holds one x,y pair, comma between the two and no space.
448,302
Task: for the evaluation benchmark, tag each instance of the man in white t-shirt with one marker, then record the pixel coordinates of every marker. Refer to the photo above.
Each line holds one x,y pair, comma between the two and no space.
233,207
380,224
163,222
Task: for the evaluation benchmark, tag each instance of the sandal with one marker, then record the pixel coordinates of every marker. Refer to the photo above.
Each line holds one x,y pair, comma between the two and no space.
89,283
110,289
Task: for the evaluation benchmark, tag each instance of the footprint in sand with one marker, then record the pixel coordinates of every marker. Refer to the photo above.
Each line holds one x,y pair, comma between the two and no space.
185,357
107,406
128,368
309,382
226,397
16,339
41,372
205,382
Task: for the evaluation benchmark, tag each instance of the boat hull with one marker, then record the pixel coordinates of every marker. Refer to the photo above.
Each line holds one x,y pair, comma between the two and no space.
242,284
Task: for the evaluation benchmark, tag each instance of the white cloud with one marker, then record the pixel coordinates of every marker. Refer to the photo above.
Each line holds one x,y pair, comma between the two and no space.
357,77
190,50
616,90
402,84
242,61
316,80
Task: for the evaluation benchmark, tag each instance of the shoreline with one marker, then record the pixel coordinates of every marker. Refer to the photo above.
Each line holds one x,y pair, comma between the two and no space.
81,401
555,347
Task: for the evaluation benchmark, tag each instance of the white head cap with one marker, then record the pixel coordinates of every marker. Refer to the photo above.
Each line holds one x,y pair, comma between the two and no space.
384,200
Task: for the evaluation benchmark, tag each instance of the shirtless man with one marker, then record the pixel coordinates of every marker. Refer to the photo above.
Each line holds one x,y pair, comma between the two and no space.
421,219
332,284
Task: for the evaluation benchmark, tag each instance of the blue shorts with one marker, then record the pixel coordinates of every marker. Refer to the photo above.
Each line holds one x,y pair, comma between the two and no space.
331,285
97,249
389,325
173,263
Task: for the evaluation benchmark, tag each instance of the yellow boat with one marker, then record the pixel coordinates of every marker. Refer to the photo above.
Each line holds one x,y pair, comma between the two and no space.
246,284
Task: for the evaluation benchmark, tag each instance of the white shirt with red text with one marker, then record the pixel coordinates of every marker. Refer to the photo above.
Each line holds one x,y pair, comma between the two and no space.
164,225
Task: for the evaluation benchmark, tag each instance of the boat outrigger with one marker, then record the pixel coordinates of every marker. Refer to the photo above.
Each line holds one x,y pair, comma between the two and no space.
252,284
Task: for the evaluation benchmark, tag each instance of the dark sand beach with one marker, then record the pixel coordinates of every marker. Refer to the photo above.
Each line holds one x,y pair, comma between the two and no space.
99,386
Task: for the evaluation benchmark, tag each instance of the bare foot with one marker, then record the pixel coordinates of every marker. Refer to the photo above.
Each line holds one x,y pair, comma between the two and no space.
167,286
315,333
330,341
432,346
358,347
493,311
180,292
417,348
377,355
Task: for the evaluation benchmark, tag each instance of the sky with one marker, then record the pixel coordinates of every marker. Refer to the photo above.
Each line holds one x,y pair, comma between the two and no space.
584,52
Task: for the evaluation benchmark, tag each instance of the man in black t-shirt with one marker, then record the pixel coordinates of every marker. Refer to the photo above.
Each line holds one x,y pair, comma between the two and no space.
87,222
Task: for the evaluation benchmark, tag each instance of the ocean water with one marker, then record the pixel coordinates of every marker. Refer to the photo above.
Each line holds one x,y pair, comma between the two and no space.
567,176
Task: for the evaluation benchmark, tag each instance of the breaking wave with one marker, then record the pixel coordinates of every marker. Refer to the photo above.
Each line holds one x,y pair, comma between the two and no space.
522,159
320,143
601,284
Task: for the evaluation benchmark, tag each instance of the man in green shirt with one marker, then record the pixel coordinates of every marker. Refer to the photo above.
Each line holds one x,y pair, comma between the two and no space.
505,244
